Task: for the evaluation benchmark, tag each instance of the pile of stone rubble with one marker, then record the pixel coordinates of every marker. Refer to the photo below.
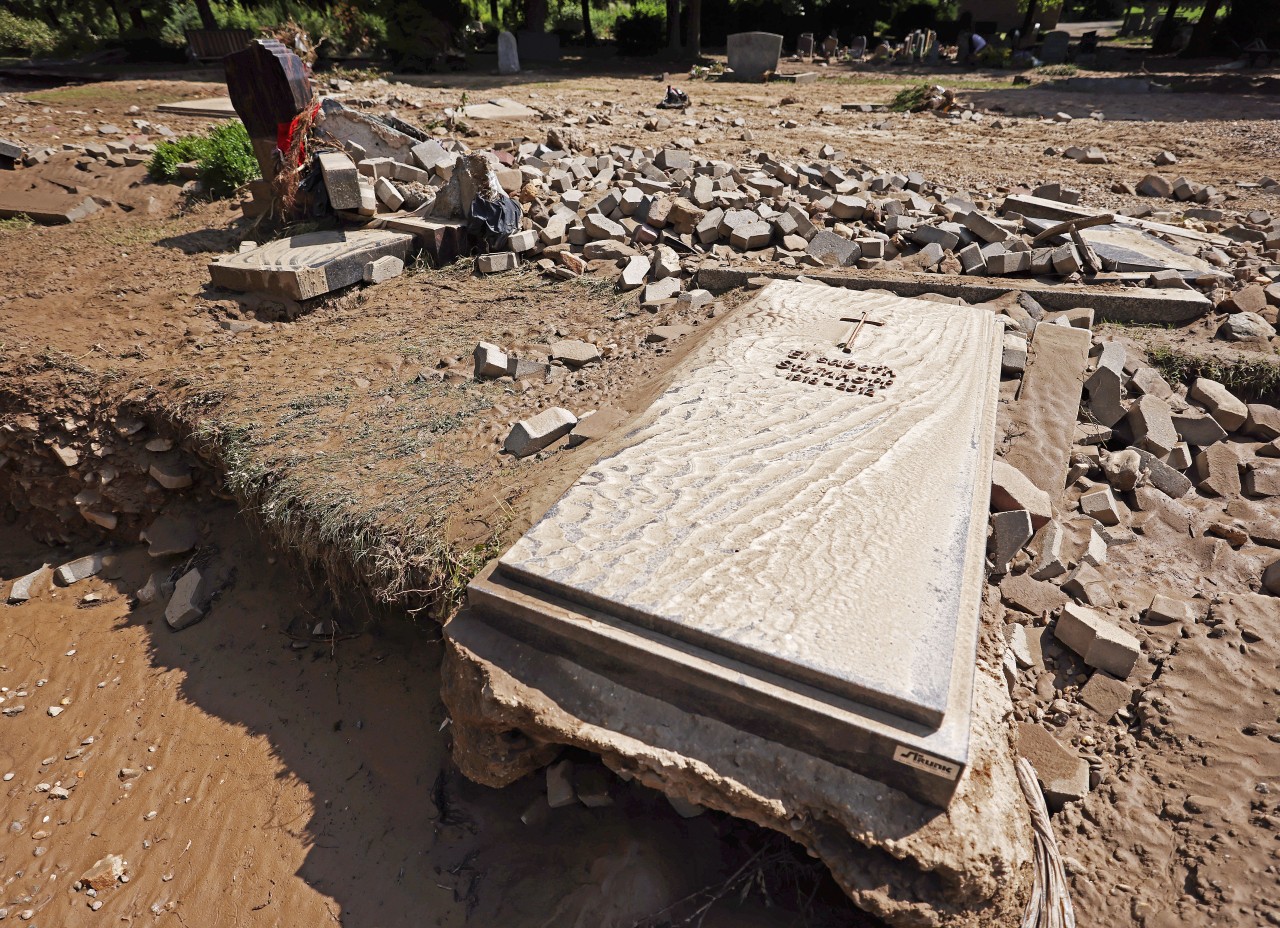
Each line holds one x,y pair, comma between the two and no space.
650,218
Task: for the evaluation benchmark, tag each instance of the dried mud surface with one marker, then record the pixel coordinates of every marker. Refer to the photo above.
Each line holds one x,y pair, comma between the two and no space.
292,820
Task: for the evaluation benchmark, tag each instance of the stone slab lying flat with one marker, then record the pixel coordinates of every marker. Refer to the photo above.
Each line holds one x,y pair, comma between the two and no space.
47,209
215,107
1111,304
806,536
1043,417
500,108
310,265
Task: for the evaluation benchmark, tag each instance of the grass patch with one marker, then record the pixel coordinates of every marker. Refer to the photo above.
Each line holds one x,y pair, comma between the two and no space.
16,223
224,158
1248,378
1057,70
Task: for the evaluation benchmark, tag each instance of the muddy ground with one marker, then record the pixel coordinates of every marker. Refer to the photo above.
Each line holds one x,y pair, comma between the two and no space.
300,778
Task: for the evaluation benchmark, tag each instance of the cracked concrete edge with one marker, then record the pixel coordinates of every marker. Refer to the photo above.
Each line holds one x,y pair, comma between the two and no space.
513,708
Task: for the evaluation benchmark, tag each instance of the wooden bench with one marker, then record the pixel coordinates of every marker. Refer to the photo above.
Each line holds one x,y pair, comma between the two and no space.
216,44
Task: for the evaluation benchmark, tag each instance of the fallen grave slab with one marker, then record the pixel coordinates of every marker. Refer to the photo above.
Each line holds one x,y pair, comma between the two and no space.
212,107
1111,304
498,109
443,241
310,265
47,209
1043,415
759,548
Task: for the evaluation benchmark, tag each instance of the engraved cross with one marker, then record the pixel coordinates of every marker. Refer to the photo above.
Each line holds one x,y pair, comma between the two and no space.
846,343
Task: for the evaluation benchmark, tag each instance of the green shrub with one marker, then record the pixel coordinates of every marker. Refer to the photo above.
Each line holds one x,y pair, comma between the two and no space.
224,156
643,31
20,36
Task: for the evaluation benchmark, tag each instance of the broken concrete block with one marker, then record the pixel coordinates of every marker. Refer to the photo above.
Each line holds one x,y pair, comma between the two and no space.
1263,422
1179,458
1122,469
1106,695
387,194
983,227
1013,359
1095,550
1106,385
1230,412
833,249
602,227
522,242
1166,609
634,273
1088,586
659,290
341,180
80,569
29,585
1011,490
752,235
1009,532
1217,470
1063,775
1245,327
596,425
490,361
574,353
1163,477
1197,429
384,268
1101,504
1151,421
171,534
531,435
972,261
525,369
189,600
1099,641
1148,380
497,262
1262,478
1251,299
1153,185
1050,561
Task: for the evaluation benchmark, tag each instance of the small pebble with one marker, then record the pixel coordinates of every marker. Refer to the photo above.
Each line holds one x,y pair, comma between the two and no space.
55,711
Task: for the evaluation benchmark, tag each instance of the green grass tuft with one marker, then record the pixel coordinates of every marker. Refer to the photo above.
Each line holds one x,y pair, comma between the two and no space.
1248,378
224,156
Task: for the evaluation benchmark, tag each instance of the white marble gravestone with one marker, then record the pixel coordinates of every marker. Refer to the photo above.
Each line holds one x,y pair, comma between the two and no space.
751,54
508,54
791,537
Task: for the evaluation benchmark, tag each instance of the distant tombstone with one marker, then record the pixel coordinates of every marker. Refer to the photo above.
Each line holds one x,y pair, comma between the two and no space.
268,86
753,54
858,47
1054,48
829,46
508,54
538,46
804,45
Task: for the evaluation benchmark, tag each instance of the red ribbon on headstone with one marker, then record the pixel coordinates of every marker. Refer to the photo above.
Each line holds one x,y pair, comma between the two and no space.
286,131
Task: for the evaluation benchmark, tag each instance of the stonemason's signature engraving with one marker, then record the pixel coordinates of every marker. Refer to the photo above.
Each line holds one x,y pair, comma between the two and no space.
926,762
843,374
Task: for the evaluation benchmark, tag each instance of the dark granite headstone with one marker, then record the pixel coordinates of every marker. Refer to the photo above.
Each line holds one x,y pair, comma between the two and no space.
269,88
